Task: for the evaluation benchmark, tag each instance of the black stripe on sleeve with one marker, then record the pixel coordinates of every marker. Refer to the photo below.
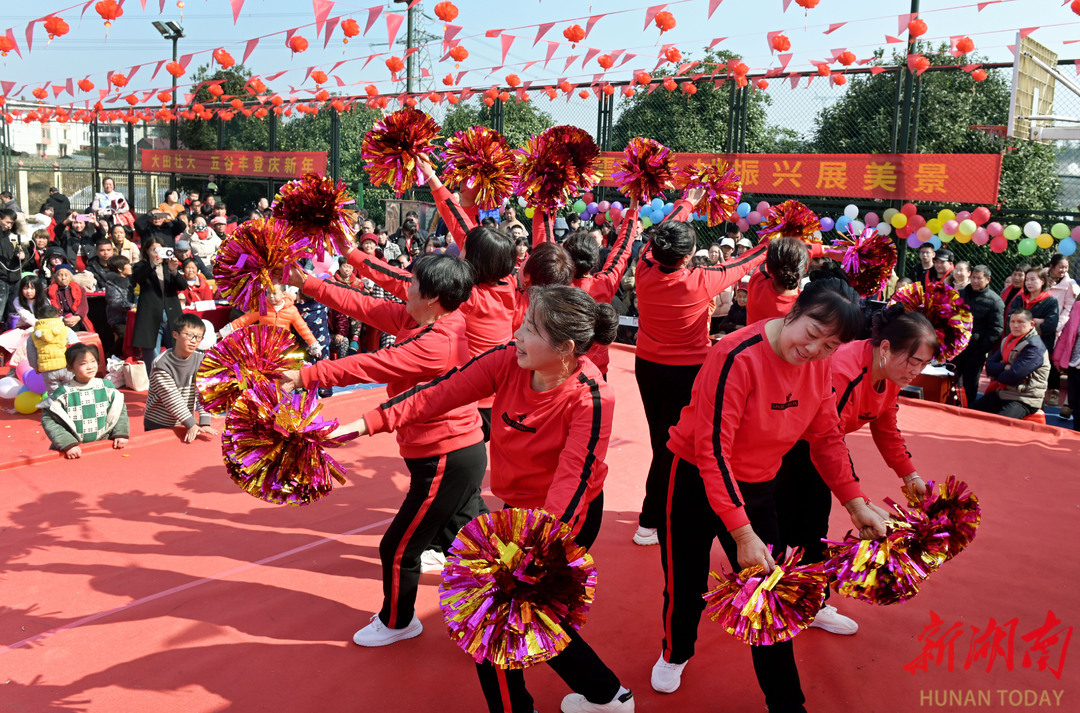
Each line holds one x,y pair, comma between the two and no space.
458,214
384,269
739,261
718,409
849,390
438,380
590,458
413,338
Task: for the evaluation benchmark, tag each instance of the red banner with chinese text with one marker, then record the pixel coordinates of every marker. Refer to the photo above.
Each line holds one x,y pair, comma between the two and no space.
268,164
946,178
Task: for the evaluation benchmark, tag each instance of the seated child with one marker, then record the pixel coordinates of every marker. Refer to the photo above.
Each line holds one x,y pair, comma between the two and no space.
172,399
736,316
280,313
68,297
86,408
45,350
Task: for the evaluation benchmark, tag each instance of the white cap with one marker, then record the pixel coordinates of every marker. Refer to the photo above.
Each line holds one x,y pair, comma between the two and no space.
745,242
702,253
727,243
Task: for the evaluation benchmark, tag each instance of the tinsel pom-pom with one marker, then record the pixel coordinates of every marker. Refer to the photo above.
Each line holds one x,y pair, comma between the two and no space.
481,158
274,446
955,510
761,609
317,208
723,189
391,147
869,259
945,309
882,571
556,164
250,354
514,581
645,169
245,264
791,219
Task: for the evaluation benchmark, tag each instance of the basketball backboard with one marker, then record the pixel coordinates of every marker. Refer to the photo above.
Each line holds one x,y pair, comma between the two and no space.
1032,86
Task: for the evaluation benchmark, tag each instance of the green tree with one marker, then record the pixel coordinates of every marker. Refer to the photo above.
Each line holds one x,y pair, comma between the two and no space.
241,133
520,119
949,103
698,123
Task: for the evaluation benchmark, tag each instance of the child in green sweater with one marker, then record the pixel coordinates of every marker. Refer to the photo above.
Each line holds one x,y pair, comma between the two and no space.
86,408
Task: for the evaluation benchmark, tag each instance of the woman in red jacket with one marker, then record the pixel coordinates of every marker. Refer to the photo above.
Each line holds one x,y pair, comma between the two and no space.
673,337
444,450
867,376
548,443
774,287
763,387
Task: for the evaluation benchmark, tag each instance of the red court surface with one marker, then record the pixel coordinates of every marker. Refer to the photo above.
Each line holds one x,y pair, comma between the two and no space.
147,581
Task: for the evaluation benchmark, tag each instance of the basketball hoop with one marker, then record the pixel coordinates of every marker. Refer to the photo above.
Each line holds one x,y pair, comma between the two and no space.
998,131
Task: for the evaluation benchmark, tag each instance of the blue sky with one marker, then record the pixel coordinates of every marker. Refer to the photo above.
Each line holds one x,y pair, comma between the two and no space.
208,24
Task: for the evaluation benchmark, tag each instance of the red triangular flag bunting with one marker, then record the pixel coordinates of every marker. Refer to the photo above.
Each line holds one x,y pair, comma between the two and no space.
716,41
322,11
393,24
713,4
329,30
552,46
834,27
589,25
251,44
237,5
372,15
506,41
589,55
542,30
650,14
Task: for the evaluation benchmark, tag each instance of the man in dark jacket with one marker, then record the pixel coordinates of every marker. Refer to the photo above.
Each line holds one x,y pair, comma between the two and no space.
987,323
157,226
11,259
1018,370
98,265
58,202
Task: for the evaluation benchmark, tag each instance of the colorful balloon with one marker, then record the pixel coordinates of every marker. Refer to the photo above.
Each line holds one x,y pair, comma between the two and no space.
899,220
980,215
1027,246
1067,247
34,381
872,219
1012,232
950,227
1060,231
743,210
1032,229
26,402
967,226
999,244
994,229
946,214
909,209
10,387
914,241
981,236
1045,241
763,207
827,224
851,211
579,206
754,218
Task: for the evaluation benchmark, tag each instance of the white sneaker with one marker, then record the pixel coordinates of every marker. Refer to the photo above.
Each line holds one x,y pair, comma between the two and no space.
432,561
378,634
646,536
666,677
576,703
834,622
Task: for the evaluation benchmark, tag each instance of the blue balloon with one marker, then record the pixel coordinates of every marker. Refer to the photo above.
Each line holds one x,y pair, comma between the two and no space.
616,206
1067,246
743,210
827,224
657,215
936,242
657,203
842,223
668,207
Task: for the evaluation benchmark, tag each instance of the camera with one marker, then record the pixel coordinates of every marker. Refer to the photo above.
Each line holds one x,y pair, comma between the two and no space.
163,253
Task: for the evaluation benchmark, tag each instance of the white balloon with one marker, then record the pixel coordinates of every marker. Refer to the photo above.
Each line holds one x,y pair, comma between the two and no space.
521,201
851,211
1032,229
9,387
884,228
857,226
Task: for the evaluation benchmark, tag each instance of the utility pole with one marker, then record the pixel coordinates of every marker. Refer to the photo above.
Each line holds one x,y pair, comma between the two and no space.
411,59
905,126
173,32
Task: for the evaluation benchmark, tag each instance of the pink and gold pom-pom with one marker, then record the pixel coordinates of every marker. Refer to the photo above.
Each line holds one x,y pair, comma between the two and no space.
943,306
791,219
556,164
391,147
882,571
481,158
723,189
514,582
762,609
644,170
868,260
317,208
246,264
274,446
248,355
954,511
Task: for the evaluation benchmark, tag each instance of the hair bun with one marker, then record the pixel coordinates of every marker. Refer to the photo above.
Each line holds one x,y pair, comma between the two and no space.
606,324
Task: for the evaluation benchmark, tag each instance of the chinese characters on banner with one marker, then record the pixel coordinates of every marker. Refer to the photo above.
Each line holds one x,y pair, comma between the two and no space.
953,178
268,164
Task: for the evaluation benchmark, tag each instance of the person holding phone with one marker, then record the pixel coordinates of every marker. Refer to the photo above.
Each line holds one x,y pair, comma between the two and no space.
160,284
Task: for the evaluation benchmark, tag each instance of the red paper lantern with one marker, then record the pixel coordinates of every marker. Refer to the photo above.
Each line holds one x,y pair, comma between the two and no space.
319,76
566,86
513,80
551,93
839,80
846,58
823,70
452,99
584,94
237,104
350,28
222,57
979,75
434,97
574,34
118,80
448,80
689,88
781,43
6,45
669,84
256,86
164,97
459,53
109,11
492,92
920,63
628,91
965,45
40,93
808,4
762,84
917,27
215,90
260,113
56,27
446,11
297,44
608,90
395,64
673,55
738,67
1075,6
338,105
131,99
643,78
605,60
86,85
371,90
175,69
276,100
665,21
489,101
322,95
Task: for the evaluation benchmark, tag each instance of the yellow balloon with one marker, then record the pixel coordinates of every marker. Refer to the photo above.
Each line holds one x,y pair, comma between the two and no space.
26,402
963,238
1045,241
899,220
935,225
529,212
946,215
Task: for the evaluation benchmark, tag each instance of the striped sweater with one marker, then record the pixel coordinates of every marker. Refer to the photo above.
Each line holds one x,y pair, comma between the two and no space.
172,399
